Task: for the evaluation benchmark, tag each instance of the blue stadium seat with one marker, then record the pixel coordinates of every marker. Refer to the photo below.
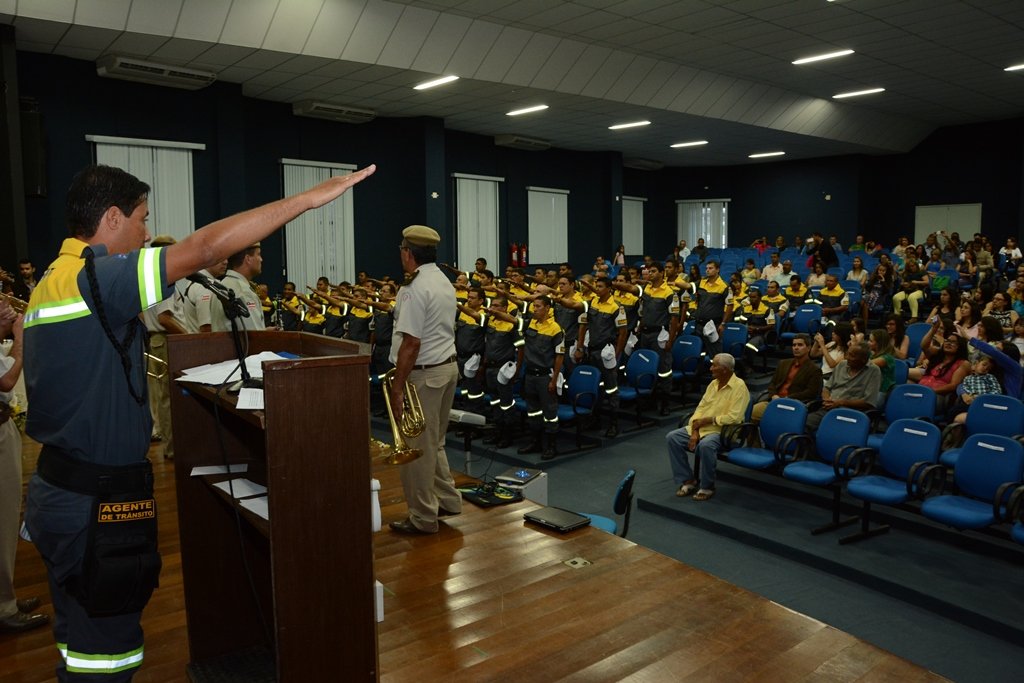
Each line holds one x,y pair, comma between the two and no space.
905,402
988,470
806,319
915,333
824,457
581,395
688,362
783,419
987,414
622,505
641,378
904,455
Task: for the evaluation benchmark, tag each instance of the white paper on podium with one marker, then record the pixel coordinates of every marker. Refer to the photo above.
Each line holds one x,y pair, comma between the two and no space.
219,469
243,488
257,506
250,399
218,373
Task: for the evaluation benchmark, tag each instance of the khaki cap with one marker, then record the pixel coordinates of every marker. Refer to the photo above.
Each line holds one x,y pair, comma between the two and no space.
421,236
162,241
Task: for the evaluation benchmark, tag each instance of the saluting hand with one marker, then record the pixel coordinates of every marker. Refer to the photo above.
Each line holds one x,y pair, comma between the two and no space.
332,188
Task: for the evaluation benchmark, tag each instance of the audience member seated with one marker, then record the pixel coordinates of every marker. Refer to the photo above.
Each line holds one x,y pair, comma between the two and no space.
881,286
858,273
798,378
913,285
834,350
944,369
796,293
980,381
898,334
946,308
968,319
774,268
1000,309
750,273
724,403
835,302
817,278
882,356
853,384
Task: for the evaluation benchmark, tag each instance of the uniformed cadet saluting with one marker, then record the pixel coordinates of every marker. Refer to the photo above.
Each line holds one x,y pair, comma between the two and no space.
659,319
568,308
94,446
470,328
542,352
502,340
604,325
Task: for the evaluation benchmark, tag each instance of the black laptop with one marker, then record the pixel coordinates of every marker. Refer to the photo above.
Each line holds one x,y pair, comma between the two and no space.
557,519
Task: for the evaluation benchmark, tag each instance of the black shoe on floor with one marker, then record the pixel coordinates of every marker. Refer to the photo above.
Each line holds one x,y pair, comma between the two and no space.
19,622
612,431
28,605
532,447
407,527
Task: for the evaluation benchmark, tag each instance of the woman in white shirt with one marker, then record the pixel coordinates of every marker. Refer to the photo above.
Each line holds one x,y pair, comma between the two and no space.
834,351
858,274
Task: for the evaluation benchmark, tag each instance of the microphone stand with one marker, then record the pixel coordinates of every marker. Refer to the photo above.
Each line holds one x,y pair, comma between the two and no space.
234,308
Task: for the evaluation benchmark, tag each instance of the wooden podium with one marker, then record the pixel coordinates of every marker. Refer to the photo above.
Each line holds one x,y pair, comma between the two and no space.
311,564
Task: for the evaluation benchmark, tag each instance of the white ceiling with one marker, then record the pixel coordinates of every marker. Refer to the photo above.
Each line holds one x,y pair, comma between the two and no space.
697,69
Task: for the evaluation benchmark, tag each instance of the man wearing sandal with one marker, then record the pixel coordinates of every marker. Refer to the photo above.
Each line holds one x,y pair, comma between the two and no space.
724,402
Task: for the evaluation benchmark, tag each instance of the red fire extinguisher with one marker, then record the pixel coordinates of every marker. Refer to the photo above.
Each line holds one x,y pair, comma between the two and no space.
514,255
522,254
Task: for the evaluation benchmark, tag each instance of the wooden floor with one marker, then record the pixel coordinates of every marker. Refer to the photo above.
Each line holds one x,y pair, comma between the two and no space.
490,599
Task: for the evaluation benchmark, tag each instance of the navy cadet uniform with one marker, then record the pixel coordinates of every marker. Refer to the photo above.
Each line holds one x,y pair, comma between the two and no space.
604,320
91,424
569,320
426,309
501,341
383,325
291,314
542,343
658,305
712,300
834,298
359,320
469,339
631,305
334,317
757,317
234,281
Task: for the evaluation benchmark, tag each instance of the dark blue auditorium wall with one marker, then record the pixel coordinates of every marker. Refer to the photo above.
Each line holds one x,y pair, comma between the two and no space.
245,138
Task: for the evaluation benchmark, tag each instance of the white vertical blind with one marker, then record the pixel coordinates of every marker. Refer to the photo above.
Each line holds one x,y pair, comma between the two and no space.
320,242
476,216
548,216
707,218
167,170
633,224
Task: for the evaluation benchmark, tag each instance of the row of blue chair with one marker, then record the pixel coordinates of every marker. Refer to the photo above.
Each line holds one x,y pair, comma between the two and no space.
904,464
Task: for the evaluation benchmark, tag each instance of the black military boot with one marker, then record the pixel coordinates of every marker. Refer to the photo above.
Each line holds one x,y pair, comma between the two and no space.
613,429
534,446
504,437
550,447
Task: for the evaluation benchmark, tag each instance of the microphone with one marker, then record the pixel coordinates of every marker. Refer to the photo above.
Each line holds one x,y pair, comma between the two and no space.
220,291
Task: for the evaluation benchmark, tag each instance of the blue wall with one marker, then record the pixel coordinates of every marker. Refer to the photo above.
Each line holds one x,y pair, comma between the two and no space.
245,138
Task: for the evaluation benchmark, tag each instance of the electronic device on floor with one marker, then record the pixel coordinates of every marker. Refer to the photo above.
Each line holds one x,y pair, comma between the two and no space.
557,519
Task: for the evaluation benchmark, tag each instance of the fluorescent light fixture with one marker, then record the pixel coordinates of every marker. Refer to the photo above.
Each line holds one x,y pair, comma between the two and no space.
527,110
856,93
765,154
694,143
634,124
1015,67
435,82
827,55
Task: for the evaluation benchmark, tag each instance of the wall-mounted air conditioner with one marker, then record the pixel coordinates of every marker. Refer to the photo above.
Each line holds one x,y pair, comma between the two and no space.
521,142
333,112
131,69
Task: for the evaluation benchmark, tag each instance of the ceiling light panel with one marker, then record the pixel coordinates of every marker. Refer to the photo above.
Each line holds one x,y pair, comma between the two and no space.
822,57
435,82
632,124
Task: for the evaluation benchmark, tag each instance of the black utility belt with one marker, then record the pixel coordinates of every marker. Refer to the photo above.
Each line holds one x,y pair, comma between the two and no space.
499,363
59,469
538,372
651,329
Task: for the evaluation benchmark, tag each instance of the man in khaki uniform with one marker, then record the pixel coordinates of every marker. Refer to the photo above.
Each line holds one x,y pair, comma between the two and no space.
423,352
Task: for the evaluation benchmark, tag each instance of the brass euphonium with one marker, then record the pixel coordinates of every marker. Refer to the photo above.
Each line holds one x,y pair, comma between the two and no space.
411,424
14,302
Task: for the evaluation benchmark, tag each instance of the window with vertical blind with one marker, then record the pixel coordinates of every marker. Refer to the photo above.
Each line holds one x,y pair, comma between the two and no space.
633,224
548,216
320,242
476,215
707,218
166,167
